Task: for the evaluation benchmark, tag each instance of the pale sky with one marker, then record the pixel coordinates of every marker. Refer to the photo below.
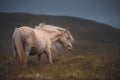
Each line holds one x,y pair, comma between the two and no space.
104,11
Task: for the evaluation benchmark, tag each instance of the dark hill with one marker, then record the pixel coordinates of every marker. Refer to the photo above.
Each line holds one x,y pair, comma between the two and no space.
90,36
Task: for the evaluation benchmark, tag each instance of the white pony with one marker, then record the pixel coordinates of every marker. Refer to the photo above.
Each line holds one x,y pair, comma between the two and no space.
35,41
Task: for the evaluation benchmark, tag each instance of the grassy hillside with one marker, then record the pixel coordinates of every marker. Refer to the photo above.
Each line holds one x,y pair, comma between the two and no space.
95,55
90,36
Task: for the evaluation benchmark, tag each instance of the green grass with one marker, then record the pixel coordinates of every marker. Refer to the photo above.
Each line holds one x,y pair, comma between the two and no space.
68,67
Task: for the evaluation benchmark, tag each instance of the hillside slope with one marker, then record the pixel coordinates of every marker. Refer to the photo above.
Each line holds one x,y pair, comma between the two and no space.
90,36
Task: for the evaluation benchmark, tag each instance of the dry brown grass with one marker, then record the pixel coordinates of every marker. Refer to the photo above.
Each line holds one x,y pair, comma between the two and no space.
68,67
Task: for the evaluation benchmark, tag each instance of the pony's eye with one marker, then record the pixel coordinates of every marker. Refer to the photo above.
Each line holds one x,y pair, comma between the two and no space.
68,38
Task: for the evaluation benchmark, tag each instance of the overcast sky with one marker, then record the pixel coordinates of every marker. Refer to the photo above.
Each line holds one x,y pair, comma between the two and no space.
105,11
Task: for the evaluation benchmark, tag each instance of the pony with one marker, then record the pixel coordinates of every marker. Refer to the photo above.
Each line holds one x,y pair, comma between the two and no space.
41,39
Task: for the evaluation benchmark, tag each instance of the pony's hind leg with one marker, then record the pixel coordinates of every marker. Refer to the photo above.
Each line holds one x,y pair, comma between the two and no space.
28,48
27,51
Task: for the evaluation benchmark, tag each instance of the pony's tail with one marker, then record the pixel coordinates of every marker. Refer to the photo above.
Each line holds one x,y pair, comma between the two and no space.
17,44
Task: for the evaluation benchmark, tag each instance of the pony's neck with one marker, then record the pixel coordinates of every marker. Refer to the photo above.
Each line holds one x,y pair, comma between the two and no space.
54,35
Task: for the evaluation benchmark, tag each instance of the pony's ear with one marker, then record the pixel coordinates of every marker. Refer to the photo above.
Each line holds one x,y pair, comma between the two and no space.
63,31
66,30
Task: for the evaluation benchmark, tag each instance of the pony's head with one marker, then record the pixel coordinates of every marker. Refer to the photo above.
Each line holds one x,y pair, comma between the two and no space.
66,40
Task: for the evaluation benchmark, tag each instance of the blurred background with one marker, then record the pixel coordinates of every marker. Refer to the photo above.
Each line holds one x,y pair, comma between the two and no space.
93,23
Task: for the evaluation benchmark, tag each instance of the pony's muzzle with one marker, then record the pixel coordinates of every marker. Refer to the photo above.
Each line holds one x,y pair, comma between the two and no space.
69,48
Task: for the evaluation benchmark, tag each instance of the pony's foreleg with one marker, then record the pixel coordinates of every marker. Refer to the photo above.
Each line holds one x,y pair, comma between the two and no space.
48,54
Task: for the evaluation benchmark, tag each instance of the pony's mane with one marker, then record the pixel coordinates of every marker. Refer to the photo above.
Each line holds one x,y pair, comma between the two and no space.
45,26
50,27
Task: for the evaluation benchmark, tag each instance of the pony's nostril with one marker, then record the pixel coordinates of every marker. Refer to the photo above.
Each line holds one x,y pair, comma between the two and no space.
68,45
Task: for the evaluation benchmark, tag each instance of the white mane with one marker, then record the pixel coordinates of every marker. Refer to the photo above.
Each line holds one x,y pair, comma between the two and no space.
43,25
